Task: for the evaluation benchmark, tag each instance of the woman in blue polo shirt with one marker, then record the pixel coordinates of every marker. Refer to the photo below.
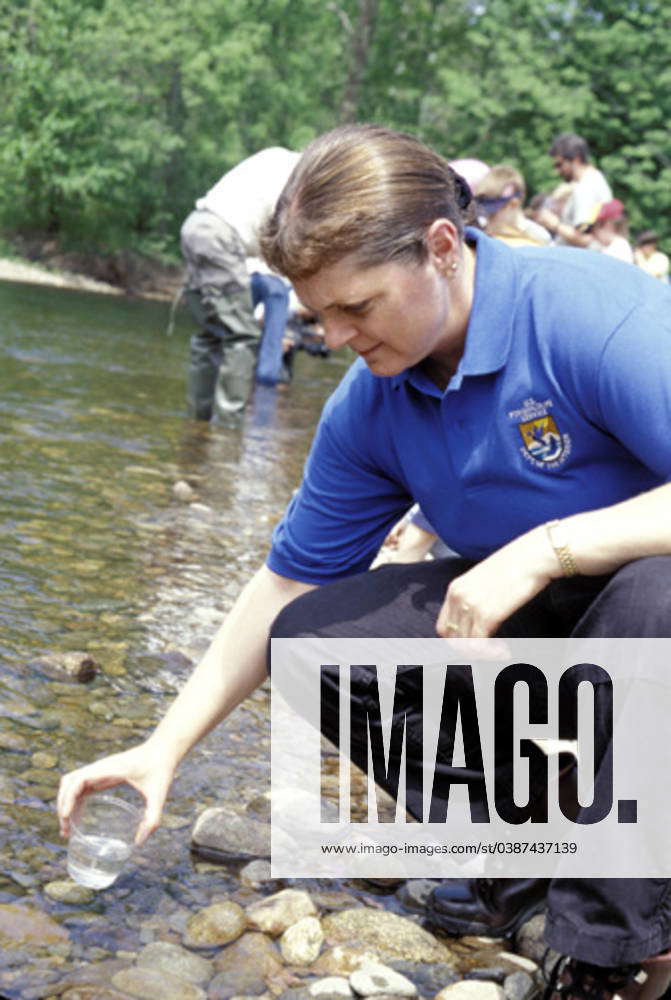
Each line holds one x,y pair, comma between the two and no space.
522,398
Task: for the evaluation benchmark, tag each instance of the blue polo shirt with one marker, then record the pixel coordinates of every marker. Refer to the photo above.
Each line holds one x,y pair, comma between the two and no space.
561,403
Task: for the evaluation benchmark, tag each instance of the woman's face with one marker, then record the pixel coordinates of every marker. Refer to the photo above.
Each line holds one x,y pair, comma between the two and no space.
395,315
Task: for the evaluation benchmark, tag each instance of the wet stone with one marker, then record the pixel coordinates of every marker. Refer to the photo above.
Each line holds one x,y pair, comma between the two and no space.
165,957
7,792
226,985
67,891
375,979
469,989
233,835
255,874
430,978
342,960
25,927
330,988
144,983
415,893
251,958
215,925
386,934
530,939
44,760
274,914
93,993
301,943
76,665
518,986
41,776
13,742
333,899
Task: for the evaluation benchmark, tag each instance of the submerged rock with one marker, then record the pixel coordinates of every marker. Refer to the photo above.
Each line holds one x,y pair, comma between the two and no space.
25,927
301,943
220,829
75,666
183,492
142,983
163,956
274,914
67,891
218,924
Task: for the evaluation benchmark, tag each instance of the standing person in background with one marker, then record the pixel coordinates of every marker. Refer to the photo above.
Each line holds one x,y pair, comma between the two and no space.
590,188
225,280
648,257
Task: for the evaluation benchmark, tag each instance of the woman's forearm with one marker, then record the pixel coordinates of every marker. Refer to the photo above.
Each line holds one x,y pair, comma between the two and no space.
233,666
603,540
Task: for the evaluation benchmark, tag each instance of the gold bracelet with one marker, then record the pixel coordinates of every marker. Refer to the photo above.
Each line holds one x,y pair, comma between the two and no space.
562,550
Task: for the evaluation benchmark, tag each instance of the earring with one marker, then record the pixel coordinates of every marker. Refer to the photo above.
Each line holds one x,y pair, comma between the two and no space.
452,269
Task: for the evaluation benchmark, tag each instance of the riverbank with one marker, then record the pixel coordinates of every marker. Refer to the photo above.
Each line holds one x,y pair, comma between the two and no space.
117,274
18,270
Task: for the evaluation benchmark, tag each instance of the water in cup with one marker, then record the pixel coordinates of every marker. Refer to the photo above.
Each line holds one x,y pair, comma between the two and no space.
95,860
102,833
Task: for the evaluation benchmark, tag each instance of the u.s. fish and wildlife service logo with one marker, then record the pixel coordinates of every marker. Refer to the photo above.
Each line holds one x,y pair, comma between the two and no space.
544,445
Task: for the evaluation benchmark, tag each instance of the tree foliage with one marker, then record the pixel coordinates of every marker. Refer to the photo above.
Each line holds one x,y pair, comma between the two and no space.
116,114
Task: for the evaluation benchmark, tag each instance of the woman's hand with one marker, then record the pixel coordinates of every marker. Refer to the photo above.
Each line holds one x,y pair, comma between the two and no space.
143,767
478,601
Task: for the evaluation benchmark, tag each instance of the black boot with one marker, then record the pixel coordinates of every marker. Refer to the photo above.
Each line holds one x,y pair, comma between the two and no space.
493,907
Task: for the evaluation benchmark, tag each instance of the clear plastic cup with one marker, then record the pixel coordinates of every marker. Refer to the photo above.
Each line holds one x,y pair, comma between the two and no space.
102,835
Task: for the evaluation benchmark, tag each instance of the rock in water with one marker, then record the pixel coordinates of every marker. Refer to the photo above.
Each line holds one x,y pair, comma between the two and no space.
73,666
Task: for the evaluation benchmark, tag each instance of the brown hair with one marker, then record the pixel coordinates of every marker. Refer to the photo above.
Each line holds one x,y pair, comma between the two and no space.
366,190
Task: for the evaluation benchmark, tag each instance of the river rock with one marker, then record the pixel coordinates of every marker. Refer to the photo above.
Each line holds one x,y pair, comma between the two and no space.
488,958
530,938
253,955
23,926
255,874
342,960
415,893
93,993
301,943
519,986
141,982
331,987
227,985
218,924
75,666
375,979
165,957
13,742
183,492
429,978
44,760
7,793
274,914
234,836
386,934
67,891
469,989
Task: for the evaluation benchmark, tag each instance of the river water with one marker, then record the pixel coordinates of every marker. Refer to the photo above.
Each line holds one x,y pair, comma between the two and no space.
100,556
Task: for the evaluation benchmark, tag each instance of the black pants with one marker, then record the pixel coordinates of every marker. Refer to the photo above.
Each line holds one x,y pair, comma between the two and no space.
607,921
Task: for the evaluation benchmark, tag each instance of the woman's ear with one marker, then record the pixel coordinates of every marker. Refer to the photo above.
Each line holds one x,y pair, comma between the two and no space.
443,243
